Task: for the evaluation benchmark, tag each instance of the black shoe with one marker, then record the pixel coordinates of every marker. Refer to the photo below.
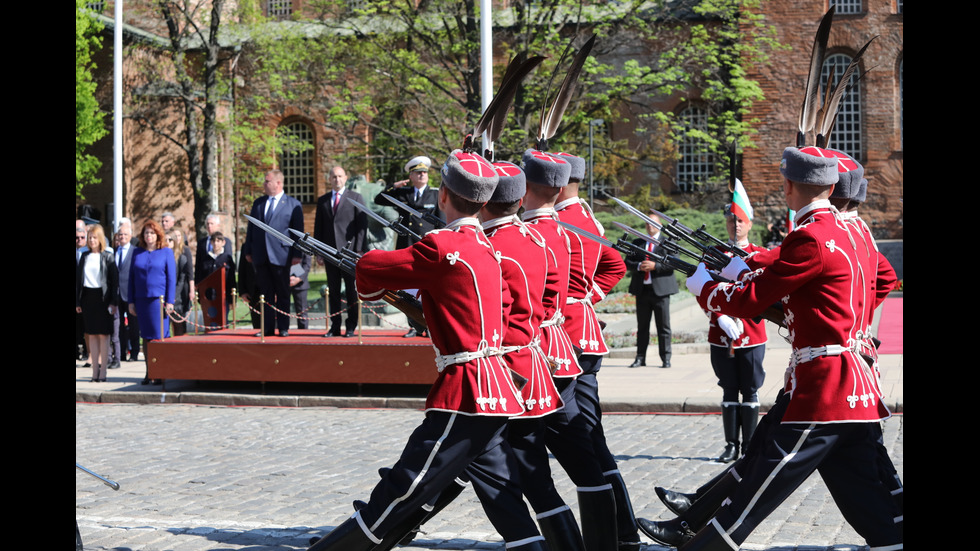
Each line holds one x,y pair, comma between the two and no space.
677,502
134,358
640,361
284,333
145,382
666,364
332,333
114,365
411,333
349,333
730,454
674,533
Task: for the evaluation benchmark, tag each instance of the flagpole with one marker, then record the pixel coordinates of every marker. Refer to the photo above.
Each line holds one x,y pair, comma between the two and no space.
486,60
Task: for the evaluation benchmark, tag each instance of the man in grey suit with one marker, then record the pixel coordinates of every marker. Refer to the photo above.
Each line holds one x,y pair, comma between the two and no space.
126,341
340,224
652,283
270,257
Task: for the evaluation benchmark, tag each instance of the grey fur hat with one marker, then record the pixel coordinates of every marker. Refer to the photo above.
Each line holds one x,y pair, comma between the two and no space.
470,176
512,183
862,193
809,165
850,180
578,165
544,169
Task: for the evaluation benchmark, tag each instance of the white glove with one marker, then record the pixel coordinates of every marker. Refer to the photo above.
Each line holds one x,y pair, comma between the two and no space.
697,280
734,268
731,326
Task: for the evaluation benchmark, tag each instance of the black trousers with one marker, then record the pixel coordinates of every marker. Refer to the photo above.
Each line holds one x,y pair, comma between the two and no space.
273,282
648,305
846,456
334,278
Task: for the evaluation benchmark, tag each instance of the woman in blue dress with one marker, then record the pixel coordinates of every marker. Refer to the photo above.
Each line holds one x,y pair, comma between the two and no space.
153,275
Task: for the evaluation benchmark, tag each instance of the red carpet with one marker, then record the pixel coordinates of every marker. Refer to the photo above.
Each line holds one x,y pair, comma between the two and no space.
891,328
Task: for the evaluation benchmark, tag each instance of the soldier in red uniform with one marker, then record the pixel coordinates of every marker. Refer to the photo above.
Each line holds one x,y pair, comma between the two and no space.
834,402
524,261
465,302
594,270
570,434
738,348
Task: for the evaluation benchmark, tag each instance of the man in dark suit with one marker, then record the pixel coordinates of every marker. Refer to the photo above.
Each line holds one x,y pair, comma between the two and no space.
270,257
652,283
339,224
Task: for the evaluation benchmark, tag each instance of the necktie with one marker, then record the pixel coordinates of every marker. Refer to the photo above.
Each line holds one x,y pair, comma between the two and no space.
648,278
336,201
270,207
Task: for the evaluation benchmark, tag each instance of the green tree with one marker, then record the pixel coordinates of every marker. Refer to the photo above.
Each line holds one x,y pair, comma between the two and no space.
89,125
187,76
409,73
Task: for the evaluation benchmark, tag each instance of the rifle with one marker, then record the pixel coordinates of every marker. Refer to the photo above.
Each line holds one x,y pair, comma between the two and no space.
774,313
396,227
433,220
712,255
346,260
627,247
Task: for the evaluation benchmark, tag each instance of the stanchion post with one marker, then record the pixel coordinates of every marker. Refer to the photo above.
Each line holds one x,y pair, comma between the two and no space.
262,318
360,321
194,306
234,309
163,316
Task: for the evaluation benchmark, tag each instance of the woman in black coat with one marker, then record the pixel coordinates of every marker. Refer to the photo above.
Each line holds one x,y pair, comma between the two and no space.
96,298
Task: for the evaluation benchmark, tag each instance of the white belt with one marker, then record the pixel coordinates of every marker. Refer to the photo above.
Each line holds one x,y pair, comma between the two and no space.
803,355
536,343
444,360
557,319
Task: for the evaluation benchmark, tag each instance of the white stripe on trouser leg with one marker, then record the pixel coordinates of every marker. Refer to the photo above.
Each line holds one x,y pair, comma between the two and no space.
587,489
552,512
782,463
520,543
721,532
422,473
364,528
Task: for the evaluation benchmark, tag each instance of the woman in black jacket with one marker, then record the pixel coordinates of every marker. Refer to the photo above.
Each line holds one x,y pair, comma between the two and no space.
96,298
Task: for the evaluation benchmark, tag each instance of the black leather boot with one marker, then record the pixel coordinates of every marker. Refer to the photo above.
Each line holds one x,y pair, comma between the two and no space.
749,414
673,533
640,361
405,531
346,537
561,531
677,502
598,512
730,422
708,539
627,531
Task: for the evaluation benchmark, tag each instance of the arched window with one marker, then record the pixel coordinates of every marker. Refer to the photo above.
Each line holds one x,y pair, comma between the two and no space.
695,164
296,161
846,135
847,6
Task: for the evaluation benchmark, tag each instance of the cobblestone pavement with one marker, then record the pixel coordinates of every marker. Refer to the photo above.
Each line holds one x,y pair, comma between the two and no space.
223,478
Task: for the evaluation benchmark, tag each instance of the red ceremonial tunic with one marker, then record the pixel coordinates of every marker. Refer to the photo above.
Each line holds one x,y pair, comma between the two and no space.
880,274
555,340
465,302
817,277
753,332
525,267
594,270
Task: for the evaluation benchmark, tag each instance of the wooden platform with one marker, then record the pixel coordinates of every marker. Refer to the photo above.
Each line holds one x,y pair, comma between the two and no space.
380,357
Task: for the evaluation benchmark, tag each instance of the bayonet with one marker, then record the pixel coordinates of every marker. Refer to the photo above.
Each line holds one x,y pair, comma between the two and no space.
435,221
396,227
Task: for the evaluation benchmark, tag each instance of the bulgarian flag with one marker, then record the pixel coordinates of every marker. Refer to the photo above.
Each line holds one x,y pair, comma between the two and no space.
740,203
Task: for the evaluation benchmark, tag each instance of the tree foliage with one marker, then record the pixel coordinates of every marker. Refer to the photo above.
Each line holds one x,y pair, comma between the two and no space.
397,78
89,125
187,79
